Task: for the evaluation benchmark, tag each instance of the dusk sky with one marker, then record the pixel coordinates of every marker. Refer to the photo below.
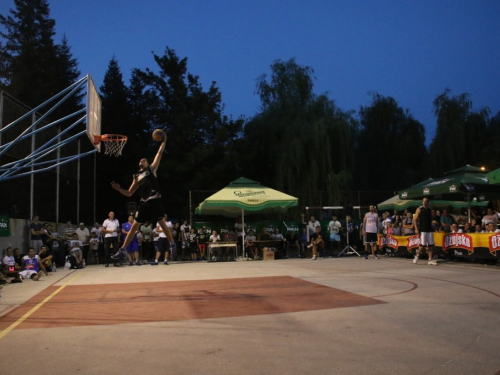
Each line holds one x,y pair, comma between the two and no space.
410,50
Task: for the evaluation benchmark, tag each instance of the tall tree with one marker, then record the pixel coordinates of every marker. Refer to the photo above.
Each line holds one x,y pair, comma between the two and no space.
115,119
459,133
299,142
489,153
68,73
30,51
200,152
391,146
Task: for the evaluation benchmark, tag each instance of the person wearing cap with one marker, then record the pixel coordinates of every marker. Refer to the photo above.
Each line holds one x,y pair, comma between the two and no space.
492,228
84,237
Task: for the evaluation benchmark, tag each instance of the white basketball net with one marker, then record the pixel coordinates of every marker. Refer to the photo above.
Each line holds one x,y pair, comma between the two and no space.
113,144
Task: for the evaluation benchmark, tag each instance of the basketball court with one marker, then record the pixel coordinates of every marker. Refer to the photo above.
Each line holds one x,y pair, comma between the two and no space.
296,316
330,316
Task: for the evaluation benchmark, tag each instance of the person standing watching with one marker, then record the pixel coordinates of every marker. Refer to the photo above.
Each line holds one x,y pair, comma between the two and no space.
84,237
110,228
423,228
36,231
446,221
370,229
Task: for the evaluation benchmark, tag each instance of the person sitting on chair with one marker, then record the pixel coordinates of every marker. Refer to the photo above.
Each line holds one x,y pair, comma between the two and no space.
250,247
215,238
316,243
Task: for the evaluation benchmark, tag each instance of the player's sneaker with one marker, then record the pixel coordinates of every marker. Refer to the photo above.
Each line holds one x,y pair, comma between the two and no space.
165,262
432,263
415,260
119,254
365,257
130,263
314,257
375,257
154,263
137,264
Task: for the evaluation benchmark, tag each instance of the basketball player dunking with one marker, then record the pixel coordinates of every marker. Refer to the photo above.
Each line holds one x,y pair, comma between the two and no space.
150,206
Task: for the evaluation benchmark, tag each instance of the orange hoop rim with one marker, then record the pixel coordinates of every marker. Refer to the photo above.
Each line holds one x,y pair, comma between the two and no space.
113,138
113,143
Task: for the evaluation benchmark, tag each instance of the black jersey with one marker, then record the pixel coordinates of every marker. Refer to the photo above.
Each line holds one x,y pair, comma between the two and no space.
202,238
148,184
192,237
425,220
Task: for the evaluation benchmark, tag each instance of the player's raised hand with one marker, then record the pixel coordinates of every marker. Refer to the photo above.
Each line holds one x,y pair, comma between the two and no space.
115,186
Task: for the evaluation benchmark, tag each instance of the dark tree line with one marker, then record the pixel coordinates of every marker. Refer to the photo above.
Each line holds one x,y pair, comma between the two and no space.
299,141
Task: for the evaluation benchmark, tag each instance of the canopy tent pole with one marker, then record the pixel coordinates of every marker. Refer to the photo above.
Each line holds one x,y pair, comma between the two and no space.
242,237
468,208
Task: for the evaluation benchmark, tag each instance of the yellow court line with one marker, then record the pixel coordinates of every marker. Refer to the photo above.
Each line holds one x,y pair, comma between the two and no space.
27,315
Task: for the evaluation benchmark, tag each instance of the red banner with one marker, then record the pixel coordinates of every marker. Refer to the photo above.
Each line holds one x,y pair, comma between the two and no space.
389,241
413,242
494,242
458,240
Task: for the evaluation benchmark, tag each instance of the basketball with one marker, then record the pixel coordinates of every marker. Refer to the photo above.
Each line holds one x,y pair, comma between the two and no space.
159,135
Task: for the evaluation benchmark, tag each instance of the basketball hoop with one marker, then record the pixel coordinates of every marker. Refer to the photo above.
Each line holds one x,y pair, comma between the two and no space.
113,143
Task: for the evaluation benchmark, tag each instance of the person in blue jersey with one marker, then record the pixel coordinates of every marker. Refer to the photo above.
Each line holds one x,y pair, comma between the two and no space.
32,265
150,207
133,246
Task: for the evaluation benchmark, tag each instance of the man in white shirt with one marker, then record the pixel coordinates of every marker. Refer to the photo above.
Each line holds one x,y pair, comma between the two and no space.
490,217
162,246
311,226
84,237
334,227
110,228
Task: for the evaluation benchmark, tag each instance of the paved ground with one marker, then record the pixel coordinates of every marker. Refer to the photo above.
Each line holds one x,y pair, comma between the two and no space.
329,316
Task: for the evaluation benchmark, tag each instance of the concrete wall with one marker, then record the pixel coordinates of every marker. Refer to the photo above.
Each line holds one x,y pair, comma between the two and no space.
19,235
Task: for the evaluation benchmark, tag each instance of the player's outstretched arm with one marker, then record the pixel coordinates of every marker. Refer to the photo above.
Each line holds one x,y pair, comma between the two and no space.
156,162
128,193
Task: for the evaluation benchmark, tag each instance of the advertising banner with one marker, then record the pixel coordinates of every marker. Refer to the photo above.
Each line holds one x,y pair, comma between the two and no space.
4,226
454,244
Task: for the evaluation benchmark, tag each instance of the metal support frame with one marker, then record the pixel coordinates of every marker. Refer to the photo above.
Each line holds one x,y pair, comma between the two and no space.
31,164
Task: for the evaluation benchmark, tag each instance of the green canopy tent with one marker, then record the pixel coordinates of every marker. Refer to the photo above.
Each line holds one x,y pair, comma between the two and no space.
395,203
494,176
245,196
469,184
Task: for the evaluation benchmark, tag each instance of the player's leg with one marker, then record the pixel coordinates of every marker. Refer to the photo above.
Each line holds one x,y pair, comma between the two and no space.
417,255
431,261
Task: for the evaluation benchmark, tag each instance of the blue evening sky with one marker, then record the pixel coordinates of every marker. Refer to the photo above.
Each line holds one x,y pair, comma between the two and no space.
410,50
